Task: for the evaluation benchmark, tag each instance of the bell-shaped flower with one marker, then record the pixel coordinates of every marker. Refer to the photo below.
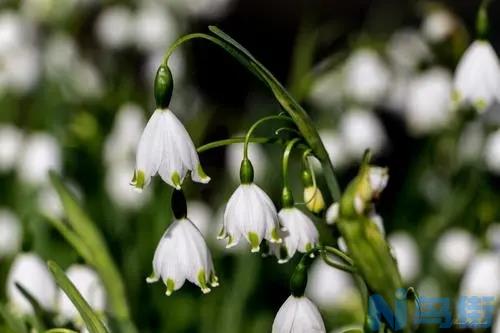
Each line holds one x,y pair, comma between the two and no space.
250,213
165,148
183,254
298,315
29,271
477,78
298,231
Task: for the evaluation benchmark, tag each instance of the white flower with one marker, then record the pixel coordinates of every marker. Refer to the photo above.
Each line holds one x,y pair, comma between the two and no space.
428,104
492,152
183,254
406,253
234,155
407,49
366,77
329,287
482,276
41,154
360,130
166,148
86,80
336,148
90,287
298,231
31,272
332,213
10,233
477,78
250,213
10,145
455,249
114,26
438,25
298,315
118,188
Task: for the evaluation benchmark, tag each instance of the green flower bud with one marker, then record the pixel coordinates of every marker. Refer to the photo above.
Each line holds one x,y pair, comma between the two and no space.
287,198
307,179
246,171
178,202
164,85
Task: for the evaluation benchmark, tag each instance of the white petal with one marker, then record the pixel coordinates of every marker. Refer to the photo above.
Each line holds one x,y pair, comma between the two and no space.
150,148
298,315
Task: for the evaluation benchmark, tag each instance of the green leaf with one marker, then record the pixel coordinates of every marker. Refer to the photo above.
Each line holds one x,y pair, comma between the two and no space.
37,308
60,330
92,321
83,235
15,324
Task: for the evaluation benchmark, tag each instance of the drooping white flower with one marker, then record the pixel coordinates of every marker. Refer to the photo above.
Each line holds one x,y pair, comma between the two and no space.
31,272
114,27
366,77
298,232
251,214
360,130
492,152
329,287
438,25
298,315
428,104
183,254
41,153
455,249
482,276
90,287
10,233
166,148
477,77
10,144
405,250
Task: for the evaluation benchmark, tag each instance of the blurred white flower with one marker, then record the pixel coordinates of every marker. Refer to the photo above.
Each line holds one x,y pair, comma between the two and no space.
234,156
329,287
482,276
325,92
154,27
10,233
48,10
40,154
90,287
407,50
251,214
60,55
86,80
332,213
428,104
11,139
15,32
470,143
209,9
492,152
114,27
336,148
299,234
493,236
438,25
201,214
361,129
165,148
31,272
183,254
121,143
366,77
406,253
49,203
117,183
298,315
454,249
477,77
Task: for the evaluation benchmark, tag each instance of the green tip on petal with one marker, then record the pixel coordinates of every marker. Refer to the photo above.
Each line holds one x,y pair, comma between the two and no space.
222,233
214,280
283,255
480,104
203,176
176,180
309,247
253,238
170,287
138,180
275,237
202,280
152,278
230,241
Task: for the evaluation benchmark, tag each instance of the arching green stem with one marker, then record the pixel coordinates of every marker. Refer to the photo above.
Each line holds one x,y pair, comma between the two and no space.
286,157
257,124
338,265
227,142
287,102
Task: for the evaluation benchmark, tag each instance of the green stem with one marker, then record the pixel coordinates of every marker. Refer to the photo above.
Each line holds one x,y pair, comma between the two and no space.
343,267
230,141
287,102
286,157
257,124
338,253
